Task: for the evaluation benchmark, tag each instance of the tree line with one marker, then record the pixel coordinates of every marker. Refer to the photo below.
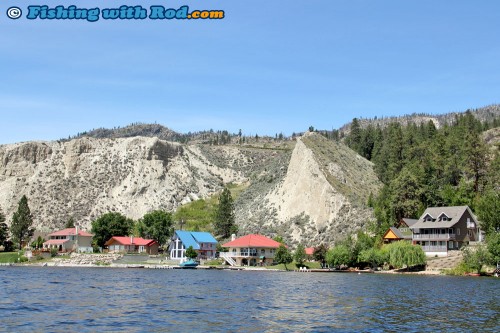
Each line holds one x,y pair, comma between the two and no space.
423,166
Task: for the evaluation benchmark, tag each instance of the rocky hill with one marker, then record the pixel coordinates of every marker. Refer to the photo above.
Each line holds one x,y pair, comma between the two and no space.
308,190
318,196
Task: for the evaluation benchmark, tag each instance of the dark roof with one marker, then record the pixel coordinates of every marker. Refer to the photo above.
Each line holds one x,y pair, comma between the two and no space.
397,232
453,213
409,222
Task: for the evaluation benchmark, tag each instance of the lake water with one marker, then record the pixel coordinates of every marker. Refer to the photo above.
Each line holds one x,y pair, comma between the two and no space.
51,299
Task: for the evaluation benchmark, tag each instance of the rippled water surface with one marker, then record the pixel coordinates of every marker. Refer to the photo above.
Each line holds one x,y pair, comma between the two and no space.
141,300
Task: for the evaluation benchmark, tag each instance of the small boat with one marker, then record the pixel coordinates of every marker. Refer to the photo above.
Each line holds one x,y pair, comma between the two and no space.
188,264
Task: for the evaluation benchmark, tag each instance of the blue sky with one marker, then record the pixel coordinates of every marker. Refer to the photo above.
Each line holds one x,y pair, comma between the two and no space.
268,67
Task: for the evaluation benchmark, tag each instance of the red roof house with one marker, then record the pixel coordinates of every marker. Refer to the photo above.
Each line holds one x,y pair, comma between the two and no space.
132,245
250,250
69,239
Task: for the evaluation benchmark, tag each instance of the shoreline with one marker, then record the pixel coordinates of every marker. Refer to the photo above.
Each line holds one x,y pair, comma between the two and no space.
226,268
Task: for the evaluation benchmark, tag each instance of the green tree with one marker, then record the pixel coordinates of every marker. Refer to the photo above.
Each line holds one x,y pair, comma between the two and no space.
319,254
70,223
338,255
406,192
300,254
493,245
403,254
355,137
156,225
373,256
279,239
488,211
22,220
4,229
283,256
191,253
38,243
109,225
476,257
224,224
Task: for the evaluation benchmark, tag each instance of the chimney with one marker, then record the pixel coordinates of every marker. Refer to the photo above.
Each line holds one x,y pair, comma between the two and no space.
76,230
233,237
131,239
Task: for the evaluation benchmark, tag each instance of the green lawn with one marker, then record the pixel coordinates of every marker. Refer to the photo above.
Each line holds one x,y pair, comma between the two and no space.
198,215
6,257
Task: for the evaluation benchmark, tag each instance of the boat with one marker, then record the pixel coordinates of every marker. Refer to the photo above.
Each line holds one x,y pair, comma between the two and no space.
188,264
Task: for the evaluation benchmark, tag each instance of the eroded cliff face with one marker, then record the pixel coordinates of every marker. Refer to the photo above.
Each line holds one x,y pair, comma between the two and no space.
319,198
310,191
87,177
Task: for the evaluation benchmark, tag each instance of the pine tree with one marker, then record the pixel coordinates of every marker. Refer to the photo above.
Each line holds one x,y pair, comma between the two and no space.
70,223
4,229
224,224
22,220
300,254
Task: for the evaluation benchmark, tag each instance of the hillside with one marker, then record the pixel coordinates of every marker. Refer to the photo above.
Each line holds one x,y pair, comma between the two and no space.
311,190
319,197
484,114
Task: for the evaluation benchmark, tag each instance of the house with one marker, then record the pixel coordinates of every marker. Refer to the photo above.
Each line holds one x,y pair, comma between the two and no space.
132,245
401,232
441,229
202,242
69,240
250,250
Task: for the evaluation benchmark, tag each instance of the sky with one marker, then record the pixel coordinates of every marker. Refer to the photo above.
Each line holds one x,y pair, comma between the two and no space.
267,67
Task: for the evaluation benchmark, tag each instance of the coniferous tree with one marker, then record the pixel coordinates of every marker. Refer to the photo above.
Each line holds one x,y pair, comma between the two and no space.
4,229
224,224
70,223
300,254
22,221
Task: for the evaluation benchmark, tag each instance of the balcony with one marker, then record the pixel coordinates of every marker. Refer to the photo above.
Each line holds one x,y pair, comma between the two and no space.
430,248
434,236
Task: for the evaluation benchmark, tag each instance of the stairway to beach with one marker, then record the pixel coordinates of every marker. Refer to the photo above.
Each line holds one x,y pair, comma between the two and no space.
440,263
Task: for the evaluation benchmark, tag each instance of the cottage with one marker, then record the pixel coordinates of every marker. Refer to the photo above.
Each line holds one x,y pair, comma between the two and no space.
132,245
69,240
202,242
401,232
441,229
250,250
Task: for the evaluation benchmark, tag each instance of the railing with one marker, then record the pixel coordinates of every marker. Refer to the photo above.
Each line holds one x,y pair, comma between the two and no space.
241,254
226,256
433,236
430,248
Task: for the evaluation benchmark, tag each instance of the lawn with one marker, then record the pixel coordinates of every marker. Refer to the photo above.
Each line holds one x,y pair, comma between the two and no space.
6,257
293,266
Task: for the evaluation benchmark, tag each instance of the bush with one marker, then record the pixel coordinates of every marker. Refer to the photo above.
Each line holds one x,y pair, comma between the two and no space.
53,252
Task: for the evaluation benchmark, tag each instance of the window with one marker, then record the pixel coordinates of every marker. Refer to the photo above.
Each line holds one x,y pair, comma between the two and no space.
458,231
263,251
